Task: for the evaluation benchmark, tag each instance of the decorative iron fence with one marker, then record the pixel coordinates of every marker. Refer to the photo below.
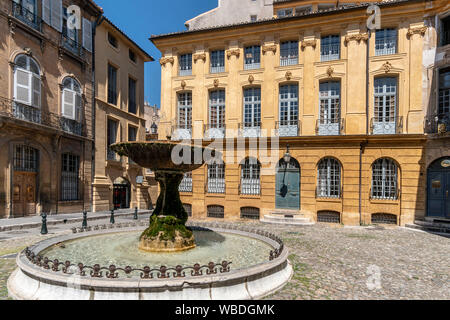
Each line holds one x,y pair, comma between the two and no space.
438,123
250,129
28,17
250,213
72,45
288,128
386,125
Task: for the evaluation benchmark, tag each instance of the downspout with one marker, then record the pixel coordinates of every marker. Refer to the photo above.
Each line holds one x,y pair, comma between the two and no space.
362,148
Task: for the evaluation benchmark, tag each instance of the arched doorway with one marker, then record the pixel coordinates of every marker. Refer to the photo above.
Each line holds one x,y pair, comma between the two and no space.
288,185
121,193
438,189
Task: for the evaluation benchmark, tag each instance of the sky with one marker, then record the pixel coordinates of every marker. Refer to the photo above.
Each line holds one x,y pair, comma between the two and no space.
139,19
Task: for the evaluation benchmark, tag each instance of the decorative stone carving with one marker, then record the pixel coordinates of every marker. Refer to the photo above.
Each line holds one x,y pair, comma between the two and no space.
216,83
419,30
251,78
183,84
12,26
199,56
330,71
309,43
233,52
356,37
288,75
28,51
387,67
12,64
163,60
268,48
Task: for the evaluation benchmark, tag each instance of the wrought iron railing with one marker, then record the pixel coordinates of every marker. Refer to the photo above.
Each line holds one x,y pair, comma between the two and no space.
288,128
181,132
184,72
71,126
250,129
186,185
26,16
214,131
217,69
215,186
288,61
252,66
72,45
330,52
386,125
330,127
439,123
250,187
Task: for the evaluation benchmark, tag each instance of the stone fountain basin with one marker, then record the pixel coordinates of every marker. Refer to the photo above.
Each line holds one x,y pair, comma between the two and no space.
31,282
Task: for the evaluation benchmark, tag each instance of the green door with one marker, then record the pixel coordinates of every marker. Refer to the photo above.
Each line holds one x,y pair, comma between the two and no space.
438,189
288,185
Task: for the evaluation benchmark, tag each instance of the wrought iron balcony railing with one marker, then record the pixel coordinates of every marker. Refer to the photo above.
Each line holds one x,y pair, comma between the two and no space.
250,129
214,131
331,127
288,128
215,186
329,192
71,126
386,125
28,17
72,46
250,187
439,123
181,132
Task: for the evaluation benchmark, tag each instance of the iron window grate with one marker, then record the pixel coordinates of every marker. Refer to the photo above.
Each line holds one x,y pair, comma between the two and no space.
216,212
25,159
328,217
250,213
384,218
188,209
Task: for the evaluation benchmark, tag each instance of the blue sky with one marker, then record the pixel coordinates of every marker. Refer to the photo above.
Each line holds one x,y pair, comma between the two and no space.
139,19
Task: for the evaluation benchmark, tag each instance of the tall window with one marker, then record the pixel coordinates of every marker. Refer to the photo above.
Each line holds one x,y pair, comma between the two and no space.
329,179
252,57
132,55
217,61
385,107
70,36
445,31
385,42
112,138
330,48
113,40
444,93
251,177
185,110
132,96
216,178
69,177
330,108
289,53
186,183
384,180
112,85
186,64
26,10
285,12
26,159
288,125
132,133
252,107
71,99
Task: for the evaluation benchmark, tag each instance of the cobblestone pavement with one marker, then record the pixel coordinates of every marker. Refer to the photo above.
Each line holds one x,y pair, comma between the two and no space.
337,263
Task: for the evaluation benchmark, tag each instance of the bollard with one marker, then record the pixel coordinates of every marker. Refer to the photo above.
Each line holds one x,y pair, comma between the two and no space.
84,224
112,221
44,229
135,213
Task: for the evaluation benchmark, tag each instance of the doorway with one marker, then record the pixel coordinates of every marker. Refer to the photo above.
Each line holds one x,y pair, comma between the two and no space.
288,185
121,194
438,189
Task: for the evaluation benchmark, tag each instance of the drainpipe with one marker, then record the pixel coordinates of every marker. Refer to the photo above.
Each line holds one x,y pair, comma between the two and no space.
369,33
362,148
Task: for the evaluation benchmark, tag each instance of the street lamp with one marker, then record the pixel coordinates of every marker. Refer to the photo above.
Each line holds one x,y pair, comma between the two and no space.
287,156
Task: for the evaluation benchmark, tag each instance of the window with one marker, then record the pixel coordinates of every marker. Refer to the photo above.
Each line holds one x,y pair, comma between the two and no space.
384,180
216,178
330,47
188,208
385,107
113,40
217,111
217,61
185,110
132,96
71,99
328,217
329,179
250,177
132,55
252,112
186,64
26,159
285,13
250,213
288,125
112,85
303,10
330,108
69,177
444,93
445,31
252,59
112,138
132,134
289,53
217,212
26,11
385,42
186,183
253,18
70,36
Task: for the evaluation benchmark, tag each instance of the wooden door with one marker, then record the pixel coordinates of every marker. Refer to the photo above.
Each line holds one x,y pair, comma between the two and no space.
24,194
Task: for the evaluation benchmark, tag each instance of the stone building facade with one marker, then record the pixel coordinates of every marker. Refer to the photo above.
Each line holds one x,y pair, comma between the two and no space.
119,104
46,107
349,106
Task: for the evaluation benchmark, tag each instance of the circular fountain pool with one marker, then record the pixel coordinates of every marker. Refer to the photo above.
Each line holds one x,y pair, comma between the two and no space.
229,262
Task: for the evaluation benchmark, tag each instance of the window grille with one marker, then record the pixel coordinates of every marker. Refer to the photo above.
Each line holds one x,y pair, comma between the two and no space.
26,159
216,178
330,108
251,177
216,212
385,42
188,209
384,180
186,64
329,179
289,53
385,107
384,218
186,183
330,48
252,57
70,177
250,213
328,217
217,61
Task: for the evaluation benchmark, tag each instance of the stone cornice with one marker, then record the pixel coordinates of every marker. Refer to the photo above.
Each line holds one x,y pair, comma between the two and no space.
233,52
268,48
356,37
165,60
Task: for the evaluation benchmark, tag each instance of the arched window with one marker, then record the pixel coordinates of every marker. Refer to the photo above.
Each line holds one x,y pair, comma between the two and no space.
329,179
216,178
71,99
215,211
384,180
27,81
250,177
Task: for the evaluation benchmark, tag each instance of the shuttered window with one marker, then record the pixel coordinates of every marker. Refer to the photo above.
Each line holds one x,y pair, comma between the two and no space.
27,81
87,34
71,99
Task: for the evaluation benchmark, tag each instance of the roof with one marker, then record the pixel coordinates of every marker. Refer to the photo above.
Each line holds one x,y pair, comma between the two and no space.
150,58
339,9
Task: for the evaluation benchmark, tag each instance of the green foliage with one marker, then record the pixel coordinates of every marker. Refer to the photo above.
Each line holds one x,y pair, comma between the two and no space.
166,228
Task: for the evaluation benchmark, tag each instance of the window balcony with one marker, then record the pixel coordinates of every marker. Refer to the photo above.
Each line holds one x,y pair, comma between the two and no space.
214,131
288,61
217,69
26,16
438,123
71,126
386,125
26,113
288,128
185,72
330,127
72,46
181,132
252,66
330,52
250,130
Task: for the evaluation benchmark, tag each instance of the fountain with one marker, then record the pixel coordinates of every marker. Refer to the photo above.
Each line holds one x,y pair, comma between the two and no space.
164,258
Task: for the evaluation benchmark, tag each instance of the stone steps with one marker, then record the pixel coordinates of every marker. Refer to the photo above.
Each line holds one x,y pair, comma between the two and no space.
429,226
287,219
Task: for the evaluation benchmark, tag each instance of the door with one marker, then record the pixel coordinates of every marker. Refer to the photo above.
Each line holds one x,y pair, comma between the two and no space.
121,196
438,189
288,185
24,194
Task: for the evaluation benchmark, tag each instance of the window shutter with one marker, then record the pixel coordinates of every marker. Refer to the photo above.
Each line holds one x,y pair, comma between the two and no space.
78,106
46,11
87,35
22,86
56,14
68,104
36,84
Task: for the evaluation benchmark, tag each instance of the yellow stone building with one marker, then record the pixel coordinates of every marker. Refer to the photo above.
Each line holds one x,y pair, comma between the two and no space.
352,107
119,116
